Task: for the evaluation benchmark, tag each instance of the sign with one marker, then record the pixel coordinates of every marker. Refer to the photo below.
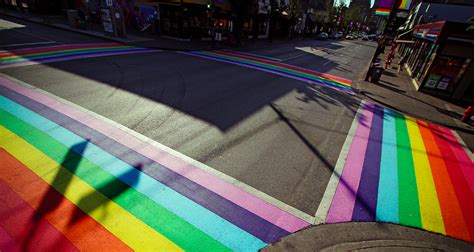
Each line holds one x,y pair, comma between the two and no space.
109,3
432,81
107,20
443,84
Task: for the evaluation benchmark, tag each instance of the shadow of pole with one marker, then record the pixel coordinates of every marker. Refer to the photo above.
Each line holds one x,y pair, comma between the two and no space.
60,184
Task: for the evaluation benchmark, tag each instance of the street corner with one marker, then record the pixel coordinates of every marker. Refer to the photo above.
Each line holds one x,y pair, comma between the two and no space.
398,169
73,180
367,236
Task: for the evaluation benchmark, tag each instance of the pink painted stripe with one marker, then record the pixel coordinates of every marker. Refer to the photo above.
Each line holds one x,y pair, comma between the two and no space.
7,243
465,162
344,199
225,189
66,58
300,69
55,48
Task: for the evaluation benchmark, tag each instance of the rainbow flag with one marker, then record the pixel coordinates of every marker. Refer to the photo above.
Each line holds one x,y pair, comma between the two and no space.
405,4
49,54
72,180
278,68
382,12
402,170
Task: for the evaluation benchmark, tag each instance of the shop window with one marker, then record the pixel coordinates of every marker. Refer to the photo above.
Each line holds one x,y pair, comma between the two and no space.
447,71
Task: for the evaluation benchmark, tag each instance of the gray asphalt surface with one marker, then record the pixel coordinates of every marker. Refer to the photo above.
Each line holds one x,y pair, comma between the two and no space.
279,135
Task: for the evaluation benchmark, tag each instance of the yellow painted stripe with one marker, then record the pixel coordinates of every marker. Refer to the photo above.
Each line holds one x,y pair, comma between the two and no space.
430,210
118,221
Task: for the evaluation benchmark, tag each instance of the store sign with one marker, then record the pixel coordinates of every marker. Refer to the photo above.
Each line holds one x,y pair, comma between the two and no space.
107,20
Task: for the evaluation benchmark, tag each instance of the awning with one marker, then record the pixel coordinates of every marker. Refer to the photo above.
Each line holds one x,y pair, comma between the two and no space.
404,41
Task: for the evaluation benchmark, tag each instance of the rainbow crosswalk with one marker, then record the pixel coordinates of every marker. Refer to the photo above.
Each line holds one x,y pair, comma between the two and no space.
71,180
57,53
402,170
278,68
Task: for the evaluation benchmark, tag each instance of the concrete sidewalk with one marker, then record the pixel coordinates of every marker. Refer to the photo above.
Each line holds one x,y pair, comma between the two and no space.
359,236
397,91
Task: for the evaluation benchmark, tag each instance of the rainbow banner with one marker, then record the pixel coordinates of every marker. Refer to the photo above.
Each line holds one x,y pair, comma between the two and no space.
382,12
72,180
278,68
49,54
405,4
405,171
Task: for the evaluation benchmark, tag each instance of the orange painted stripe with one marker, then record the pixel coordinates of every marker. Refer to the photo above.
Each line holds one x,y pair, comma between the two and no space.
84,232
31,231
454,222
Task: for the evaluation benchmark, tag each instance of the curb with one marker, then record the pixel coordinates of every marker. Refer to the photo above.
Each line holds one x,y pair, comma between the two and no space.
367,236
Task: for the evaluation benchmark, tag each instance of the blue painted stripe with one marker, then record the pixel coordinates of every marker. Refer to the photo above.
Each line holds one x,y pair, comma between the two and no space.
278,69
210,223
387,203
61,54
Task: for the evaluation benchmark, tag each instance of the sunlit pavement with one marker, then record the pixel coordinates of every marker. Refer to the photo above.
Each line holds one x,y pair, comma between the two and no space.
73,179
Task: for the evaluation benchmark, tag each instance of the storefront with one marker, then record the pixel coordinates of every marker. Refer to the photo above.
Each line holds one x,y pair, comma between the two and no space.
440,58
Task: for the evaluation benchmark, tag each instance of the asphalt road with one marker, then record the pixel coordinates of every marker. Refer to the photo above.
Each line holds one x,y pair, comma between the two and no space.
279,135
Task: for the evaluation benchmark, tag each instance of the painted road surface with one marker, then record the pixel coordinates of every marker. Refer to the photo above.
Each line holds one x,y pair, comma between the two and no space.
74,181
398,169
278,68
57,53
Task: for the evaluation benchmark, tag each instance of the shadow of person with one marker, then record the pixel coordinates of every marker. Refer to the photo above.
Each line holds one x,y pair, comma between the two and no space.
52,199
111,189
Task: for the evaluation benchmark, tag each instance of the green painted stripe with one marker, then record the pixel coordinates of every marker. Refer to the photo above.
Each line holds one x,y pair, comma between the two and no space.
279,68
66,53
408,204
174,228
7,58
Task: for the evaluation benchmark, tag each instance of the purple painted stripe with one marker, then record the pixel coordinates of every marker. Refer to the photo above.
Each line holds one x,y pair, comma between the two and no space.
94,55
342,204
366,201
235,214
312,81
162,156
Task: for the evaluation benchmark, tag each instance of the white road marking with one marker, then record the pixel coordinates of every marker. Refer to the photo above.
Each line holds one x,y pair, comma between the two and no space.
294,57
263,196
463,144
251,54
326,62
321,213
33,43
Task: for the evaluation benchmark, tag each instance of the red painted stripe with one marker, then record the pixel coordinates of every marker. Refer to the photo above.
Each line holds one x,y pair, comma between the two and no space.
299,69
84,232
465,162
7,243
55,48
461,187
33,232
452,215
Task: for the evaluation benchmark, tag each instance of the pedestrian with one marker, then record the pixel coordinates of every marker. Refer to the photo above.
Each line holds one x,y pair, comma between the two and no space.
402,61
467,114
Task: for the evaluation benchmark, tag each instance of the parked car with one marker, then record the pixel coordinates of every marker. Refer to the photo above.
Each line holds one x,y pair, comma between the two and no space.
338,35
322,36
365,38
372,37
350,37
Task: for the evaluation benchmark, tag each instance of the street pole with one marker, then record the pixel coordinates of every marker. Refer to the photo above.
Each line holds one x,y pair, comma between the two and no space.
392,16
